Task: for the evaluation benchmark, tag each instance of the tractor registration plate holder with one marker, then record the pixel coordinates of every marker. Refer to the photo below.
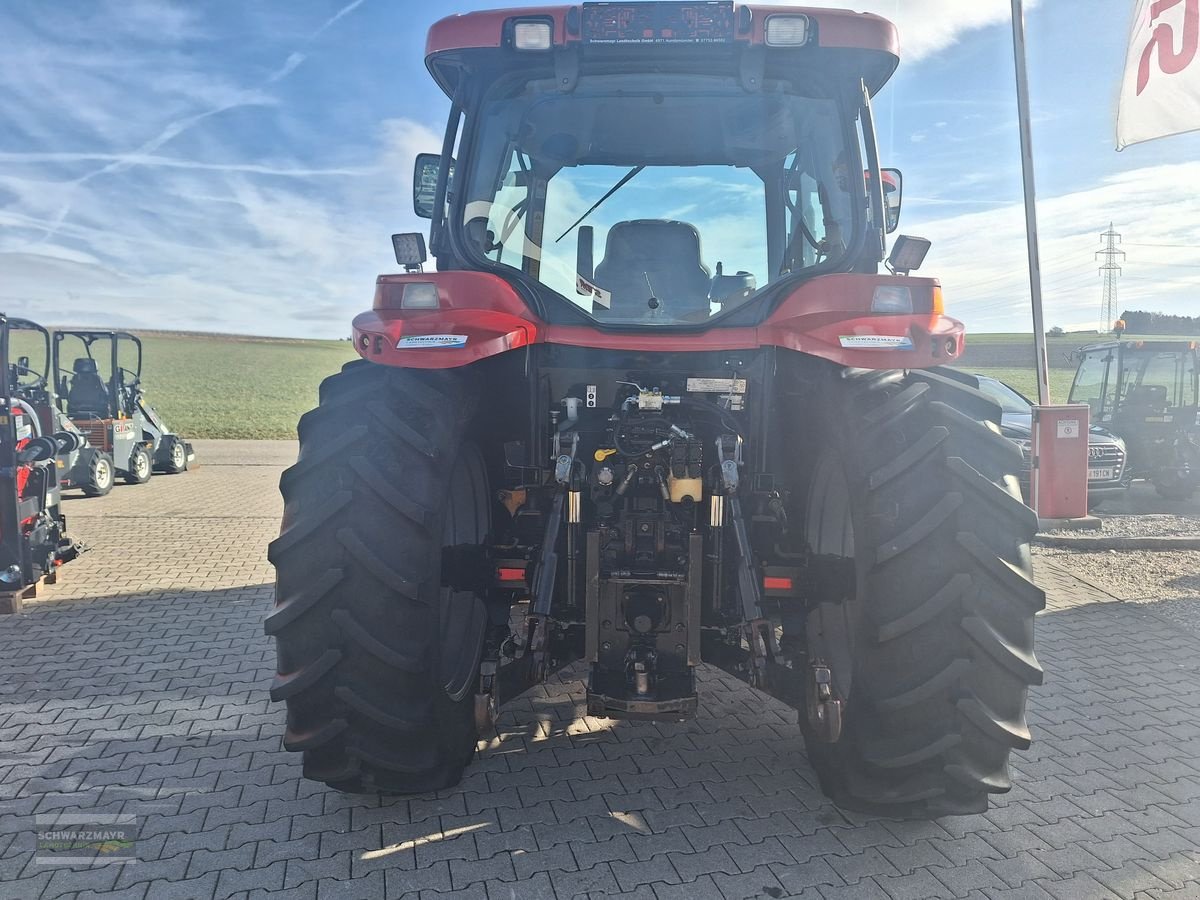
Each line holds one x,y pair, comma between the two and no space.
669,22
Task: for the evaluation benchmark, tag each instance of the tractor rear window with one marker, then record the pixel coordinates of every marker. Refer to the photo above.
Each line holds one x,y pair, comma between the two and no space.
661,200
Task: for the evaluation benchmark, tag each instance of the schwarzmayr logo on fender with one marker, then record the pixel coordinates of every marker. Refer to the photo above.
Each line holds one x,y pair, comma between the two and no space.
431,341
876,341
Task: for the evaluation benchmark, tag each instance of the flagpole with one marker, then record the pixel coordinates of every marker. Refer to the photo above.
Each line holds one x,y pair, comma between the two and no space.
1031,232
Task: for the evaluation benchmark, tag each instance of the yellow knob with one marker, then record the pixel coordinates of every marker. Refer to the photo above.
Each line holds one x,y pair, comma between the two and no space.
602,455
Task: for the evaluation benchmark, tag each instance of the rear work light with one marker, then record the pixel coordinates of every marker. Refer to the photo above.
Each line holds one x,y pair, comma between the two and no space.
532,35
786,31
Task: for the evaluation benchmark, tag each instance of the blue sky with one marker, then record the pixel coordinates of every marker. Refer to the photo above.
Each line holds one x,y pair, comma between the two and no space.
239,167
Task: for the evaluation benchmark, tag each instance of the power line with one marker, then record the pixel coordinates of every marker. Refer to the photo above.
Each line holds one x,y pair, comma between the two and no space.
1173,246
1111,270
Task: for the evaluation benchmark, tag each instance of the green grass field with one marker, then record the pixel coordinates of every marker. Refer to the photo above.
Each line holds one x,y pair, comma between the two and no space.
218,386
224,387
1025,381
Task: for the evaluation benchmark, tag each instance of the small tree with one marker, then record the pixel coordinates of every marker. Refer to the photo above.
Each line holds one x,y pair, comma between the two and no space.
1056,331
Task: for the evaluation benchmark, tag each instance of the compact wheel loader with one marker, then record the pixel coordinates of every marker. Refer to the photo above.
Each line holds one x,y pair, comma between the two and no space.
665,400
101,395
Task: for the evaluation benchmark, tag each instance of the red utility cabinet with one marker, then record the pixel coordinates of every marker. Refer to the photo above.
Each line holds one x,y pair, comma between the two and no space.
1058,481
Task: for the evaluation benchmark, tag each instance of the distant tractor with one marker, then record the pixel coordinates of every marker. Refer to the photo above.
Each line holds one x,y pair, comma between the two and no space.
724,440
33,538
102,396
1147,392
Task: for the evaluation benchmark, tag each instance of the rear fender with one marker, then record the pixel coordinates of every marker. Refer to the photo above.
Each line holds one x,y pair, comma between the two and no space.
478,315
481,315
832,317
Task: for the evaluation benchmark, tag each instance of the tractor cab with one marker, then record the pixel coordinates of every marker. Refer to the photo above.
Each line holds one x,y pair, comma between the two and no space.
1147,392
666,165
98,387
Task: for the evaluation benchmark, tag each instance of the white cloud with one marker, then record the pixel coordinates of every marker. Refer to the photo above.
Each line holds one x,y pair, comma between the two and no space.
980,256
218,249
927,26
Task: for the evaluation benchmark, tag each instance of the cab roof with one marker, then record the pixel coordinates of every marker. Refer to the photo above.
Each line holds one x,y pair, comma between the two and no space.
831,29
1164,345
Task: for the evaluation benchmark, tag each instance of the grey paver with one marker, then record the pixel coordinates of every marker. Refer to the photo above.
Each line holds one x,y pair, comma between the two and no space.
142,689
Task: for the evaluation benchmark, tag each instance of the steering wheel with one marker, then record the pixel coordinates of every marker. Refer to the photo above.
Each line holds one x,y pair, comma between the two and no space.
17,370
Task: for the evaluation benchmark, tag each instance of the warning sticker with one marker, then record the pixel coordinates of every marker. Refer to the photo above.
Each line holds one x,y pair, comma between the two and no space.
717,385
600,297
1068,428
431,341
876,341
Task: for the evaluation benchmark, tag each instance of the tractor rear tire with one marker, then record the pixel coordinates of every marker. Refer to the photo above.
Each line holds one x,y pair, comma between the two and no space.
141,467
101,474
377,658
933,647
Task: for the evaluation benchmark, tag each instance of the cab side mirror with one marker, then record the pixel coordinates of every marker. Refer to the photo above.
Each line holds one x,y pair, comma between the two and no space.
425,178
23,363
893,193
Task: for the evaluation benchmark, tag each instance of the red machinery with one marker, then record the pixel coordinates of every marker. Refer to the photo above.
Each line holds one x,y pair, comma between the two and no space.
33,542
724,440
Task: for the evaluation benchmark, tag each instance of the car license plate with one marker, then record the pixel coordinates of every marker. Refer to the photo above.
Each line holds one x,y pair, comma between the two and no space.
1100,474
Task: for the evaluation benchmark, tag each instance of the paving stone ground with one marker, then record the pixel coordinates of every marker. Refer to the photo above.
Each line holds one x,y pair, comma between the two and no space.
138,686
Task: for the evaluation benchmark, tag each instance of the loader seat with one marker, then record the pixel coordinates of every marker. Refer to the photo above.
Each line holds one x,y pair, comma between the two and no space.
88,395
665,253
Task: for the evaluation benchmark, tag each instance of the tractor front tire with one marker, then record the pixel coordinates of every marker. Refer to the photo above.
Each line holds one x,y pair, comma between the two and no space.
377,658
1180,483
932,648
174,457
101,474
141,467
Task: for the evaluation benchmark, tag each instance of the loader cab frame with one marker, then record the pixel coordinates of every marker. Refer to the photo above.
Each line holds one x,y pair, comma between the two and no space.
119,394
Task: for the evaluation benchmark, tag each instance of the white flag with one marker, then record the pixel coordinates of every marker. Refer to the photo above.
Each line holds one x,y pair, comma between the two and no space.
1160,93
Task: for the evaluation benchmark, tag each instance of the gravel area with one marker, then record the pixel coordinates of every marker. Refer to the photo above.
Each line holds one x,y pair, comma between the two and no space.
1181,612
1136,575
1162,525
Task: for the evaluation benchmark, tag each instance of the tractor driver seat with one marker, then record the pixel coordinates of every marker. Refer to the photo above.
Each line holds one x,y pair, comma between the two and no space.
88,396
664,253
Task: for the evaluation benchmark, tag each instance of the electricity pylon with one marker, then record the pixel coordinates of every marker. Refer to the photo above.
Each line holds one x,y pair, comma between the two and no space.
1111,270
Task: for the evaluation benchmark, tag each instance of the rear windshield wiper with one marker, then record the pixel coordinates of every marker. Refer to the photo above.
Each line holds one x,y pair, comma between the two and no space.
612,190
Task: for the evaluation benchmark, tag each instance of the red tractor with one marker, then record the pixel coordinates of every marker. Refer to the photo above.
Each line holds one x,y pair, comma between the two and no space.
727,440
